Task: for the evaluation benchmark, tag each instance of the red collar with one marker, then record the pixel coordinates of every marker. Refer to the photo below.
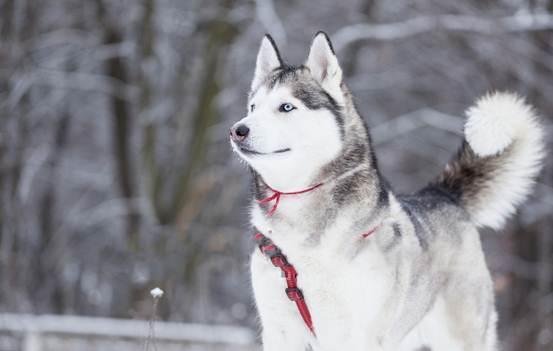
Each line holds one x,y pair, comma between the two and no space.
279,260
277,194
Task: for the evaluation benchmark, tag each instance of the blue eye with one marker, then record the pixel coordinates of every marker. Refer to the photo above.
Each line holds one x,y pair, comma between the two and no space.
287,107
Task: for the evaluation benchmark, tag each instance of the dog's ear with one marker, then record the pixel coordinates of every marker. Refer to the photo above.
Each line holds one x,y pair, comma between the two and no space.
323,63
268,58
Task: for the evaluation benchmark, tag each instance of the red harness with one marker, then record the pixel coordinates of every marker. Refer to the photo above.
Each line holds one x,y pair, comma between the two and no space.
277,258
277,194
269,249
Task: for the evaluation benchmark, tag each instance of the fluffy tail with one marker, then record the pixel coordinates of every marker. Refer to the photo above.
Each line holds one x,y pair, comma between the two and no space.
500,158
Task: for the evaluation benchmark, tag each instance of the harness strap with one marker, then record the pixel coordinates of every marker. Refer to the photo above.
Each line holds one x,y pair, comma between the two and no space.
289,273
273,252
277,194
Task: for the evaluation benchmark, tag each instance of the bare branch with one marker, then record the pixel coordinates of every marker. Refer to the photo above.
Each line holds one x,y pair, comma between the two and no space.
520,22
409,122
83,82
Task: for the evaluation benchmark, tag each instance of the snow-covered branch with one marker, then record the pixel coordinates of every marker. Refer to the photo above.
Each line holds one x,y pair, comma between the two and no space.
409,122
520,22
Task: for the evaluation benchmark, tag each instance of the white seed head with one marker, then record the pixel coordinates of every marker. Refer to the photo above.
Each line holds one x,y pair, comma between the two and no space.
156,293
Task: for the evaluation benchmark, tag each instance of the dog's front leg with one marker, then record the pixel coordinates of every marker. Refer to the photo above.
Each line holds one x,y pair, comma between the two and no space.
366,342
282,329
276,339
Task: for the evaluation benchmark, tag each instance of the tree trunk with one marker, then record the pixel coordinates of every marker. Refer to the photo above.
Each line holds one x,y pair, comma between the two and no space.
122,126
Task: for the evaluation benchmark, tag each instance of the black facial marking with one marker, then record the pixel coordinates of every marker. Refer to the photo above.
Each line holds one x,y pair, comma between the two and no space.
283,74
309,92
279,151
316,98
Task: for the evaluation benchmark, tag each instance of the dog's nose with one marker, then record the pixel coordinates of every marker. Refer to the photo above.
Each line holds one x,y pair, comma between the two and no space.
240,132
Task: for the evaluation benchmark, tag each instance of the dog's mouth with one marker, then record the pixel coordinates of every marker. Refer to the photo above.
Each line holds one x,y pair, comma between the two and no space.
248,151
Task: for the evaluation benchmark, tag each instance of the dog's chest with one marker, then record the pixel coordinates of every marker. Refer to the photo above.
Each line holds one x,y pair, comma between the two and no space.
337,286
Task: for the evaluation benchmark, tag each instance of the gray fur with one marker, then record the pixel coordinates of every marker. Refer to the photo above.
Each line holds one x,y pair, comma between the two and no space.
306,89
356,138
433,218
395,239
431,245
467,174
416,222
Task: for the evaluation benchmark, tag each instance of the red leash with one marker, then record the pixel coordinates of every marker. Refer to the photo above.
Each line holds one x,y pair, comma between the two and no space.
277,194
269,249
277,258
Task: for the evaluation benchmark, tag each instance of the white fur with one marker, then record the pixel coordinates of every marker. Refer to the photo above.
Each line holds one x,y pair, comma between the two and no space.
267,60
432,332
272,130
347,299
351,292
499,121
340,313
324,66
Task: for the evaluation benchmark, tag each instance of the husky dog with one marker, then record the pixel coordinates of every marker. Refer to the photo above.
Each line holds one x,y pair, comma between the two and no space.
419,281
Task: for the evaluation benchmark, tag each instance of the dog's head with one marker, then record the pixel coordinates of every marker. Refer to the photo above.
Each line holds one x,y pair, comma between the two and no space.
295,123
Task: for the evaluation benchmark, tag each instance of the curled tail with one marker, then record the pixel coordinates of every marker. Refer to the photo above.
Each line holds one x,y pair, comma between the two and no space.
499,161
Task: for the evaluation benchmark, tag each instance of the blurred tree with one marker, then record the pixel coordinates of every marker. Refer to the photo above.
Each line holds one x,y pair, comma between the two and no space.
116,173
533,245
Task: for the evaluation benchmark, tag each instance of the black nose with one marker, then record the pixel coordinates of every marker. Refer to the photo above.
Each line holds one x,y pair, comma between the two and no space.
240,132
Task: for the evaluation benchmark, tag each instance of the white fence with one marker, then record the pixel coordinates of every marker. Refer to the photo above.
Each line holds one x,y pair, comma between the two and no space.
70,333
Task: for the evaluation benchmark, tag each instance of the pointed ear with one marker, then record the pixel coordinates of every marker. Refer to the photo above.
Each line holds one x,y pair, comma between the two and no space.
323,63
268,58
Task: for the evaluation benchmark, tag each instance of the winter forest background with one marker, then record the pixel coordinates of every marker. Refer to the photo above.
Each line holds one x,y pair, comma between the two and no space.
116,173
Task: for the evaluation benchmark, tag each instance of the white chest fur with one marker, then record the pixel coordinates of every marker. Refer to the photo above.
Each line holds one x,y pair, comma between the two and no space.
342,288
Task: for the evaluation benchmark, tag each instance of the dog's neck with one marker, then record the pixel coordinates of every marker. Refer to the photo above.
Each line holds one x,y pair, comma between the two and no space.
315,209
352,188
